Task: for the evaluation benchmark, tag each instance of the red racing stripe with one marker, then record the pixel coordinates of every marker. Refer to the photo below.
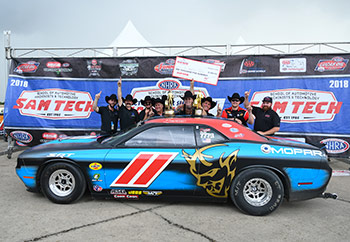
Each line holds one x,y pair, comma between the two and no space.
133,169
152,169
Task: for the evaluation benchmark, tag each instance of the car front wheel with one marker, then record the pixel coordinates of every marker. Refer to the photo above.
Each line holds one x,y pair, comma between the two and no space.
62,183
257,191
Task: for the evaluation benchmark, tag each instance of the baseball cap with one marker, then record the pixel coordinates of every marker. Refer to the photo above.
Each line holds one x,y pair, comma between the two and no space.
267,99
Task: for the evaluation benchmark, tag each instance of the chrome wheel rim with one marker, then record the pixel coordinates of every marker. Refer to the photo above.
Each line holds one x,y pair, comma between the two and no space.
62,182
257,192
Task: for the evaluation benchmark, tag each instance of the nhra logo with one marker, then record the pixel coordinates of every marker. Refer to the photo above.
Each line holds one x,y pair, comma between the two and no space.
335,146
168,84
28,67
335,64
165,68
22,136
251,65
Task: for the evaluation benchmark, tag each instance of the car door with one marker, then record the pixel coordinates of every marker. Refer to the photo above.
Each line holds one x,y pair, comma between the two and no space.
151,163
217,163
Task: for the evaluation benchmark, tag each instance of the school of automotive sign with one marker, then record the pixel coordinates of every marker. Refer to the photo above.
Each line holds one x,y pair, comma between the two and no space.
54,104
301,105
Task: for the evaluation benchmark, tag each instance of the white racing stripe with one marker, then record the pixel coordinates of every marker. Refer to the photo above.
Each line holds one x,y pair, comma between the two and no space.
341,173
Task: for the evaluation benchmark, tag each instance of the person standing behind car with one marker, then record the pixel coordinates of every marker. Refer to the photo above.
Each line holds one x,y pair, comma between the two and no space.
128,116
109,114
267,121
187,107
235,112
207,104
159,105
148,111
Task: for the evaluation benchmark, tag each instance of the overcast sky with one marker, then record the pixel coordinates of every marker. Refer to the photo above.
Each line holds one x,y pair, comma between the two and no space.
87,23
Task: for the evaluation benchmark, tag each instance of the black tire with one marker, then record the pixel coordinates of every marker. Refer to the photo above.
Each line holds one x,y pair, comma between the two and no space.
257,191
62,183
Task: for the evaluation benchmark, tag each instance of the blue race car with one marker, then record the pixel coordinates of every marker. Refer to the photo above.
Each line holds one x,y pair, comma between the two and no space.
186,158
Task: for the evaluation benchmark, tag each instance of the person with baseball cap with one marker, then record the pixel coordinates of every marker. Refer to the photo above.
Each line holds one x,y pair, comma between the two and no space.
109,114
127,114
235,112
267,121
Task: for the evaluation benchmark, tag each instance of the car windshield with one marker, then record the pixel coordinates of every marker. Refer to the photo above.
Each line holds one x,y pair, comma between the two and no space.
114,138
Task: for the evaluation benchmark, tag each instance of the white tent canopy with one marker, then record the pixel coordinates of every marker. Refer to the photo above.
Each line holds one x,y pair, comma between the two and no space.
130,37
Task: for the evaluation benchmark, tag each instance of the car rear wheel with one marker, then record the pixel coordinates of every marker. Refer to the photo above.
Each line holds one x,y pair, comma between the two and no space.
62,183
257,191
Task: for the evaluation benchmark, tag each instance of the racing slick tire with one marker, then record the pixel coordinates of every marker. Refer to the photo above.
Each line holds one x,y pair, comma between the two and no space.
257,191
62,183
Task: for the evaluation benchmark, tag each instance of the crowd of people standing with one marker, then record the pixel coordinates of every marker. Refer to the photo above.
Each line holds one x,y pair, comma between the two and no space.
266,121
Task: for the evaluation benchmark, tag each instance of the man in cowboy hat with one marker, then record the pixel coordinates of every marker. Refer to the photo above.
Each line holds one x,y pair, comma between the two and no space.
207,104
267,121
109,114
235,112
127,114
159,105
148,111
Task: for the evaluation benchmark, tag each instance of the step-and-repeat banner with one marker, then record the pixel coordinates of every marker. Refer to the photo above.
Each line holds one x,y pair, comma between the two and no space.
48,98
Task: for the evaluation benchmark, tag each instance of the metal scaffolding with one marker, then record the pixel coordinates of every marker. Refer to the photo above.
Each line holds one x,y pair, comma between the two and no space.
246,49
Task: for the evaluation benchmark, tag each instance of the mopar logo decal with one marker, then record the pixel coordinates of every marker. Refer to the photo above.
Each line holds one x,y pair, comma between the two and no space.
267,149
335,146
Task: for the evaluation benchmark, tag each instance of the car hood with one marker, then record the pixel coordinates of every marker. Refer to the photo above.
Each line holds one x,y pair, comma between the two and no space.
65,145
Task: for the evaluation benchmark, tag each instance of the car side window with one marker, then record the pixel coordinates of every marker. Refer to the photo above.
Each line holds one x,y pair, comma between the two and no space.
206,135
164,136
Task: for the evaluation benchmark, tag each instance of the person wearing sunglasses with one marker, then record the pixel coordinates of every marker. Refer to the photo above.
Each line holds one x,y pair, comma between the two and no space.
235,112
148,111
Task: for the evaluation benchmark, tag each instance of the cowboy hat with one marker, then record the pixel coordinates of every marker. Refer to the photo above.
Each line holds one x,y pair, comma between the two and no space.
209,99
129,98
236,96
147,98
158,100
113,97
188,94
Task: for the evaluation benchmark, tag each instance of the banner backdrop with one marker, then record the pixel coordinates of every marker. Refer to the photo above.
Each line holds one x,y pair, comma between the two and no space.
49,98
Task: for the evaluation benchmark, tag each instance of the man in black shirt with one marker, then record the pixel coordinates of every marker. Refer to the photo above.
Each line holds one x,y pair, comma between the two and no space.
267,121
127,114
148,111
109,114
